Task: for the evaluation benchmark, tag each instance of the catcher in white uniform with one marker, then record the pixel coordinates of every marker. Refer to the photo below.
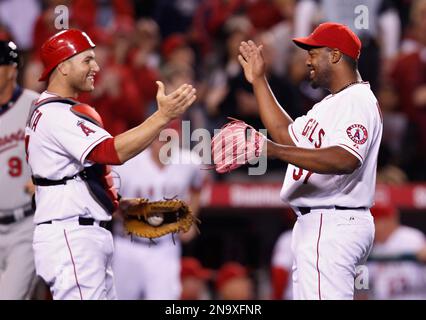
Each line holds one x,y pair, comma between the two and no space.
332,155
157,264
17,271
69,153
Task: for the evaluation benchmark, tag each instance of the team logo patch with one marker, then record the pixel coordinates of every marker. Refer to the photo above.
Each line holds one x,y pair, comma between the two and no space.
86,130
358,133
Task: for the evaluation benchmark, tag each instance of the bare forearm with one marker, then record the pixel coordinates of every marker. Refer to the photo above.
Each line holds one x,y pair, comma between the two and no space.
332,160
273,116
195,202
128,144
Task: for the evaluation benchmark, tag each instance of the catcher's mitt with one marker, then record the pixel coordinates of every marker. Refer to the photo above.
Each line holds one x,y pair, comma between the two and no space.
158,218
236,144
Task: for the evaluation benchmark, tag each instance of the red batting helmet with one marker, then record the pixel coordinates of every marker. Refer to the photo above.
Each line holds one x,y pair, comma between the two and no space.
62,46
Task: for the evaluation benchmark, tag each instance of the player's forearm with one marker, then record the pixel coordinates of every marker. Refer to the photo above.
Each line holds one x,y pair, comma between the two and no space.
273,116
195,202
133,141
331,160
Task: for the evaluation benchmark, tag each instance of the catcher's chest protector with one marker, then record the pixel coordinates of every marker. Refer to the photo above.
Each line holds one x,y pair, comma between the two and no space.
97,177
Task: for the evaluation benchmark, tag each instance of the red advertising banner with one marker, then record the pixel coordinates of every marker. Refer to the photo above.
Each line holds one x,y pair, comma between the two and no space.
261,195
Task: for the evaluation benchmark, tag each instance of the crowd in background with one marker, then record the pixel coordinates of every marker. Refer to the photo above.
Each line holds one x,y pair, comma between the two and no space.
196,41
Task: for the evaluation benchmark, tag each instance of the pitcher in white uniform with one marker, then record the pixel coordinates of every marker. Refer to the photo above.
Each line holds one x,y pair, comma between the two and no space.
17,271
332,155
69,153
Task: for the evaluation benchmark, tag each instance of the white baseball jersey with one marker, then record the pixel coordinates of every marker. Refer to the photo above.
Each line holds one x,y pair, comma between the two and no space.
328,243
282,256
74,259
350,119
58,145
402,279
15,172
159,264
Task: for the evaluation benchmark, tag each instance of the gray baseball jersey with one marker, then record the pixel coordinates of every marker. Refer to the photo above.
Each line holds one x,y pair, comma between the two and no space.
17,271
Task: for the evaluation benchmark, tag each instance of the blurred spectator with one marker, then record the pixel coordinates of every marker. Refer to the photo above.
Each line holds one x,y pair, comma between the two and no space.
232,94
32,71
403,8
282,34
394,149
209,20
122,30
147,40
145,60
229,93
194,280
44,27
5,32
84,15
45,24
88,14
379,35
409,78
397,279
414,38
118,99
174,75
281,268
20,22
176,49
144,8
285,91
263,14
175,15
233,282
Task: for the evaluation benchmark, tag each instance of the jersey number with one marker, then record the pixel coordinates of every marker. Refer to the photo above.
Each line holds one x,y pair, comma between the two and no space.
15,167
298,175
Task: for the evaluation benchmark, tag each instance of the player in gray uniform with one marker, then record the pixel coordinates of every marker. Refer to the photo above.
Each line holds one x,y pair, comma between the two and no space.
17,271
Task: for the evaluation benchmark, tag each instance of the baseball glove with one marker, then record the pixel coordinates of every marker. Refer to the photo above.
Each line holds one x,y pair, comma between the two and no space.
153,219
236,144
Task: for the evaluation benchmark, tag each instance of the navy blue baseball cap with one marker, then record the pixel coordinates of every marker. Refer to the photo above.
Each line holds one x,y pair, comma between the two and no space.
8,53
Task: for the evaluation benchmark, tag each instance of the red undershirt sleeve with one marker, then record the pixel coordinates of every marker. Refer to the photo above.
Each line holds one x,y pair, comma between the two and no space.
105,153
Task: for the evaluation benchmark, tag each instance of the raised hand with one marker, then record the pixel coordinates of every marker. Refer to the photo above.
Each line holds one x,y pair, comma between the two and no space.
251,60
176,103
